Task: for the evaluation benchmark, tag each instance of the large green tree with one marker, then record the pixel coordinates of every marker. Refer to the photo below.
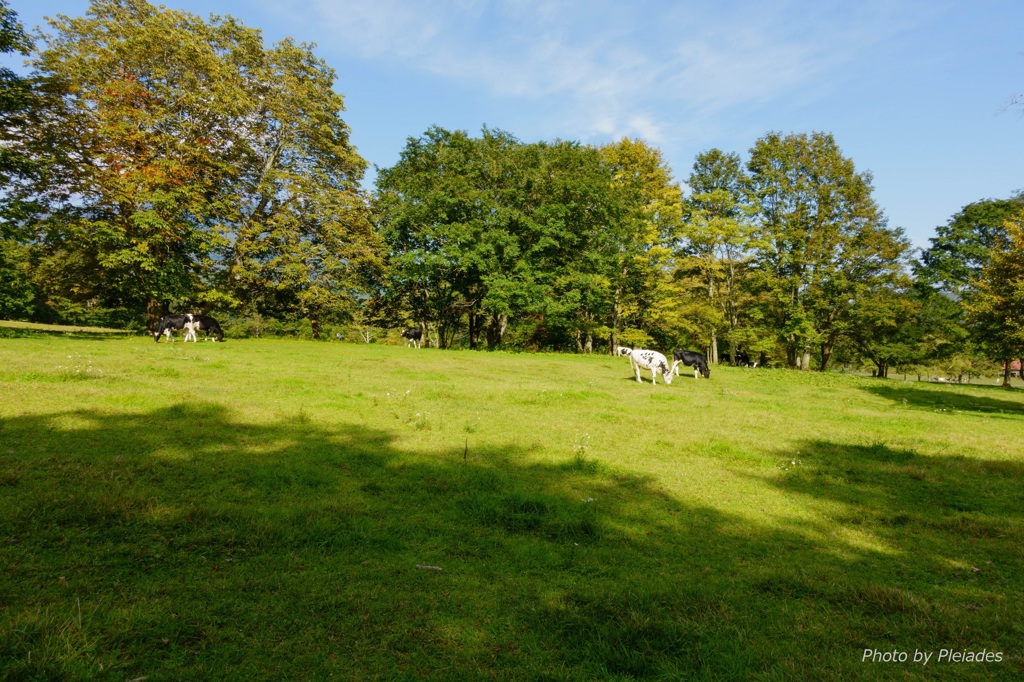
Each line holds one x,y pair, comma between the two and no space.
961,248
440,224
996,307
16,100
713,251
820,240
484,232
193,165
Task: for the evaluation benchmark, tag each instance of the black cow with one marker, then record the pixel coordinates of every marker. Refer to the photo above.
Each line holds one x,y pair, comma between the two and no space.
206,324
743,359
412,335
170,324
694,359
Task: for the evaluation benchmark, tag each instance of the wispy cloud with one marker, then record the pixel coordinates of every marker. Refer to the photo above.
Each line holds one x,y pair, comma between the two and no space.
614,68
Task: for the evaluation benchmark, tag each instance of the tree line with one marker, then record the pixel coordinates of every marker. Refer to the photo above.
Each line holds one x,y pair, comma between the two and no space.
155,161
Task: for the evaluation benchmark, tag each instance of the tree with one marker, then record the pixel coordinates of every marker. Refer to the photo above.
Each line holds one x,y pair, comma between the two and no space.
15,97
961,248
189,164
142,100
651,211
995,310
886,328
16,289
433,209
489,230
714,246
819,239
293,226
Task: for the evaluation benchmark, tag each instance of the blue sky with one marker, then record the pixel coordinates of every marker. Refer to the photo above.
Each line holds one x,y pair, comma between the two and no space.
916,92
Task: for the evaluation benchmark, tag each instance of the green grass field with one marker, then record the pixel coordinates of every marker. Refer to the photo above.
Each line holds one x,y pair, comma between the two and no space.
279,510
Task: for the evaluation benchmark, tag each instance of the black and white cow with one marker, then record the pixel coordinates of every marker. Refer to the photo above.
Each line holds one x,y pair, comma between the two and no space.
691,358
190,323
172,323
207,324
413,336
743,359
641,358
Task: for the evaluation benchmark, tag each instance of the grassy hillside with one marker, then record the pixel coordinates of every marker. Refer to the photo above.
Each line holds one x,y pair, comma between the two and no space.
299,510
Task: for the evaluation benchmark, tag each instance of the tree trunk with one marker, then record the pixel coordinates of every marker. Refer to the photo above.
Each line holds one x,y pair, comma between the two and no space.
1006,373
713,349
474,329
496,330
805,360
792,360
314,322
826,355
154,311
613,336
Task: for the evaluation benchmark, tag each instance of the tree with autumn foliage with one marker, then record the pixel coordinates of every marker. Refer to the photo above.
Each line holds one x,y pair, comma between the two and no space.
651,212
193,166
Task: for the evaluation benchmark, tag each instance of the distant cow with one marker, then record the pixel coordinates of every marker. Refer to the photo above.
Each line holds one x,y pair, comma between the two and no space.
172,323
691,358
189,323
652,360
413,336
206,324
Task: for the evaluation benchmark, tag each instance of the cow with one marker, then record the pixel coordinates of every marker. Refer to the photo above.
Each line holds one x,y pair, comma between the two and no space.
691,358
413,336
652,360
206,324
172,323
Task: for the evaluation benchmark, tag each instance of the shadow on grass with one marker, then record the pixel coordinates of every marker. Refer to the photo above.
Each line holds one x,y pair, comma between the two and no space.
936,397
188,543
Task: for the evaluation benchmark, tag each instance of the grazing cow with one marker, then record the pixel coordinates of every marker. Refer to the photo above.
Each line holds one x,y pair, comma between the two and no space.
413,336
172,323
652,360
691,358
206,324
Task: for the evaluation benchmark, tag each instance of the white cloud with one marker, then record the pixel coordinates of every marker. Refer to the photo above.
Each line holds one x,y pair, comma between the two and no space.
611,65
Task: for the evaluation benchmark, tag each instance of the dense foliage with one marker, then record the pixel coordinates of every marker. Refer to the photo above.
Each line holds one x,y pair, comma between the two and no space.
154,161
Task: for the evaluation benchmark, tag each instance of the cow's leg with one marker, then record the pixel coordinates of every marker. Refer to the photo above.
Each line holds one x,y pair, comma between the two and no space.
169,334
654,376
696,372
636,368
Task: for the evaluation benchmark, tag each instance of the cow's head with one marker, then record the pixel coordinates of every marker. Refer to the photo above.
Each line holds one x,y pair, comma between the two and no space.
668,373
623,351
